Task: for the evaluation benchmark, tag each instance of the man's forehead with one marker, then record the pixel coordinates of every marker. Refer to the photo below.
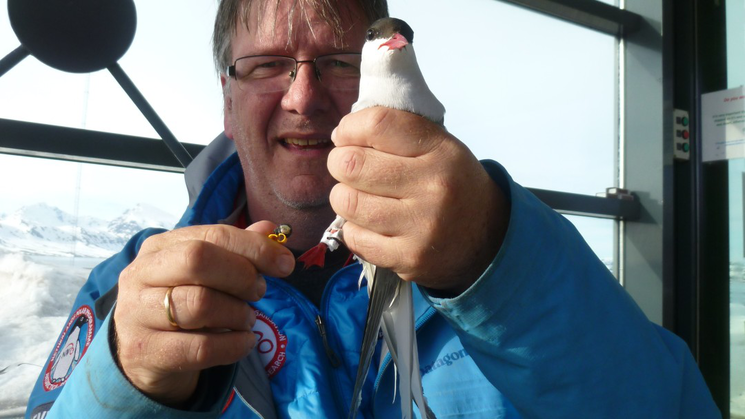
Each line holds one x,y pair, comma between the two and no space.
293,18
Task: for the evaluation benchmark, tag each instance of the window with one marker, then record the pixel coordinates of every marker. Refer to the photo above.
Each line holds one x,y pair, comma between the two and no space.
187,97
535,93
58,220
532,92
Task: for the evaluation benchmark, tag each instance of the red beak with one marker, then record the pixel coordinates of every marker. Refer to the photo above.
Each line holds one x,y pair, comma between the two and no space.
397,42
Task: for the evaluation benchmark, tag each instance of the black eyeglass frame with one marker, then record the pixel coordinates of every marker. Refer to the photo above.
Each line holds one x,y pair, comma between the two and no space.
231,68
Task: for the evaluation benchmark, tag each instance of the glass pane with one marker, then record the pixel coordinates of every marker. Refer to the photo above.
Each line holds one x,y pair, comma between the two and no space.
598,233
57,221
735,78
547,115
172,68
533,92
737,287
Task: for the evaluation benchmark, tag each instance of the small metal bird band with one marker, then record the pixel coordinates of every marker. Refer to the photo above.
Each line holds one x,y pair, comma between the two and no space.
281,233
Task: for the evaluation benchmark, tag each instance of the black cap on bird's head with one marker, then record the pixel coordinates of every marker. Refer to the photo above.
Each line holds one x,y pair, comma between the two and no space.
388,27
80,321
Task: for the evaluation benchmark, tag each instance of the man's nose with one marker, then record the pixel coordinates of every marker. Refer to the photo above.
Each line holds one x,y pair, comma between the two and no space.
306,95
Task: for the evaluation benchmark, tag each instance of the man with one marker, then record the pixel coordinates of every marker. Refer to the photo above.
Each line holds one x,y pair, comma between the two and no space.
516,317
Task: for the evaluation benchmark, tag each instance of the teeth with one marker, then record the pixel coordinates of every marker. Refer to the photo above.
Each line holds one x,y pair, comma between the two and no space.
303,142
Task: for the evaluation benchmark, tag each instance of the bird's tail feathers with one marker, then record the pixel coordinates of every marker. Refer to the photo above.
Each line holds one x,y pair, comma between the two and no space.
400,337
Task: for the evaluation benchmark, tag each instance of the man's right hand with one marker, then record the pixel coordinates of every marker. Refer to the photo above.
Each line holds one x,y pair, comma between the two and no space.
214,270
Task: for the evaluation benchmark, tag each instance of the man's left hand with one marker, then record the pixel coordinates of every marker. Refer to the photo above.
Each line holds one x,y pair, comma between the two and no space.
416,199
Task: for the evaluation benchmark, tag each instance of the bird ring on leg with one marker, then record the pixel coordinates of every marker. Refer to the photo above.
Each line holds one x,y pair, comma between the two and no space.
168,303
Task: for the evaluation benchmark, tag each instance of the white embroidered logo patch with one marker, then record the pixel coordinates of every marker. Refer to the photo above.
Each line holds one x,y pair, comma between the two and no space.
271,344
70,347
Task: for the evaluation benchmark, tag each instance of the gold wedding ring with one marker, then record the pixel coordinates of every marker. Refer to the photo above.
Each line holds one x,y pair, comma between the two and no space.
168,303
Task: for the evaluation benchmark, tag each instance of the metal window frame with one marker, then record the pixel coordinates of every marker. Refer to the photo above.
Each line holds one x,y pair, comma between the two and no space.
700,288
87,146
79,145
591,14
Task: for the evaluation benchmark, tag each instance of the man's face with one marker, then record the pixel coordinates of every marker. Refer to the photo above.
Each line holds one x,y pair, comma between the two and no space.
283,138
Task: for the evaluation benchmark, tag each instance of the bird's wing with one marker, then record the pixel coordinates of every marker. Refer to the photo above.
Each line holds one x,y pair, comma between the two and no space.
384,288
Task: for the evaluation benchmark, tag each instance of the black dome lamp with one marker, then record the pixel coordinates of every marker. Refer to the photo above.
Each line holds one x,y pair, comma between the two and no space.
78,36
82,36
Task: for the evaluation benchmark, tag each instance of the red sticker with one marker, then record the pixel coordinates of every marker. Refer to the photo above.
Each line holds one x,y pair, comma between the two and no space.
70,348
270,344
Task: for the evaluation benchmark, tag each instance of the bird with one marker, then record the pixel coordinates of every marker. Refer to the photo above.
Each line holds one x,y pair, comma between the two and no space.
390,77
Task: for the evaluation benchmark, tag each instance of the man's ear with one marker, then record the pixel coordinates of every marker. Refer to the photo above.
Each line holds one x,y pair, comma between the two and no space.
227,106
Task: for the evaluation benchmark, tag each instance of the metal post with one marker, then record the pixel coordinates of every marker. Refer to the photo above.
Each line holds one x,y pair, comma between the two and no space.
160,127
13,58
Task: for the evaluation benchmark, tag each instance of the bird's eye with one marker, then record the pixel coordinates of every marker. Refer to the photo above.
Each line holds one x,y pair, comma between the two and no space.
371,33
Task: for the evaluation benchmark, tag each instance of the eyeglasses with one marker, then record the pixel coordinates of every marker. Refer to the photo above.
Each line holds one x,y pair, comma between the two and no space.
274,73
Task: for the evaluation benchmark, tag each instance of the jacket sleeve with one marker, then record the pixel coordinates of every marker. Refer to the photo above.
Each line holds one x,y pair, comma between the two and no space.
92,385
554,331
98,389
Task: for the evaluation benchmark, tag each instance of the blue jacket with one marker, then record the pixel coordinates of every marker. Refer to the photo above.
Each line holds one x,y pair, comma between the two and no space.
545,332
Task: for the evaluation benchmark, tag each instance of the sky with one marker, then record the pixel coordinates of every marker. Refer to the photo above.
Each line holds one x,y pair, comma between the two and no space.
535,93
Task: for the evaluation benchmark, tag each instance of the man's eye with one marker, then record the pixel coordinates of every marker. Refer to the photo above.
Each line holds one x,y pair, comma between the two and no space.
340,64
341,68
267,69
270,64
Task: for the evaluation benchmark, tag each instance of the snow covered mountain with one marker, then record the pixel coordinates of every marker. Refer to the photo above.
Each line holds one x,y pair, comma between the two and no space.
45,230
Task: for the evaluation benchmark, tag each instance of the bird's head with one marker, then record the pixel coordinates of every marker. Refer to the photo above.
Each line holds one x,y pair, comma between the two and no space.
395,34
388,47
390,75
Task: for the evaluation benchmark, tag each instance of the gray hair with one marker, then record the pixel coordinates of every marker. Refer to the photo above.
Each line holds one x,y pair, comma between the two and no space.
328,10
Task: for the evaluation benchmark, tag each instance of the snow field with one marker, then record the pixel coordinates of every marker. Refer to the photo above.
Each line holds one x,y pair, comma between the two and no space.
35,301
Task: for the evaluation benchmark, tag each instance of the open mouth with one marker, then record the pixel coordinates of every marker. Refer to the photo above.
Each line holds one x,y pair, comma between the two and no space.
307,143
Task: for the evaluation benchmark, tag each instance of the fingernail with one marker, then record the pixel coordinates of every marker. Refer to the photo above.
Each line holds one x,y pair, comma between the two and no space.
250,319
260,286
286,264
333,135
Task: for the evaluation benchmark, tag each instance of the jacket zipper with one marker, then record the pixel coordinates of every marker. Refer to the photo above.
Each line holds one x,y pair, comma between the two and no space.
316,315
339,396
333,358
313,313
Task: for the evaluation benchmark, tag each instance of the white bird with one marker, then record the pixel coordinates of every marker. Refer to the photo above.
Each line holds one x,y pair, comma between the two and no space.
389,77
